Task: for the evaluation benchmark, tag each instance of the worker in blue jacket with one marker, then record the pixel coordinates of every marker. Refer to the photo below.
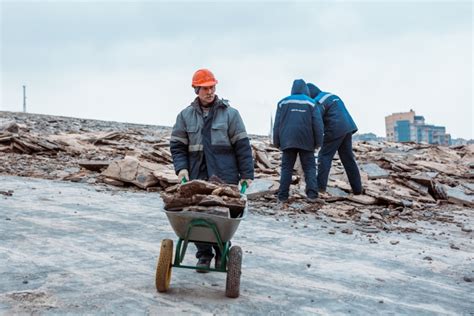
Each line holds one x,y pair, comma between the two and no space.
298,131
338,129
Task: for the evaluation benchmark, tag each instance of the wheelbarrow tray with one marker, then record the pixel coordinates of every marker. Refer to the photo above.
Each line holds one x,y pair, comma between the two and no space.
226,227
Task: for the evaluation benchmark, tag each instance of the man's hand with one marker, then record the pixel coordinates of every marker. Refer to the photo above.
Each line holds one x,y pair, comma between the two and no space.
245,180
183,174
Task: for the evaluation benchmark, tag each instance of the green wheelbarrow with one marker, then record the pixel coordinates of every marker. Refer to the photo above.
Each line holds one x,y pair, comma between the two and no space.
203,228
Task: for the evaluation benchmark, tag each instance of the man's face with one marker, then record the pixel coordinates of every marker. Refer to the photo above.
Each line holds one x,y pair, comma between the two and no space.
206,95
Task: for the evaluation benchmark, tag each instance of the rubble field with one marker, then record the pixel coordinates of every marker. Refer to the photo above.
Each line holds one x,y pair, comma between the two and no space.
88,241
404,183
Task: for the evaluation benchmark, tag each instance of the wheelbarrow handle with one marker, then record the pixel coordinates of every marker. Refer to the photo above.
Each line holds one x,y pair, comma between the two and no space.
243,187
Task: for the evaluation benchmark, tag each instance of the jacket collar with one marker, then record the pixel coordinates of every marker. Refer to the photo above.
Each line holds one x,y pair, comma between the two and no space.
218,103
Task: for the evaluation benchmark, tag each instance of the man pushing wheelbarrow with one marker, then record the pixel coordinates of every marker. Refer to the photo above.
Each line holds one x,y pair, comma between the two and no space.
209,140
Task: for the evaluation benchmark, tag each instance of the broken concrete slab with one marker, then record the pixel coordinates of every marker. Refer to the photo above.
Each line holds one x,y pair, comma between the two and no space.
374,171
173,202
457,195
80,176
333,194
439,167
385,197
335,191
424,178
227,191
362,199
160,155
469,186
214,210
420,188
131,170
113,182
166,175
74,144
194,187
261,187
94,165
124,170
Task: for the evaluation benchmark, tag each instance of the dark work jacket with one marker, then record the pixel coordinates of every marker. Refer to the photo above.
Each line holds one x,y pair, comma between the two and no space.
298,123
219,143
337,120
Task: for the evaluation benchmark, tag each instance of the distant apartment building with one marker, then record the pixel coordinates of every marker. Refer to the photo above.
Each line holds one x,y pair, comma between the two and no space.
366,137
461,141
409,127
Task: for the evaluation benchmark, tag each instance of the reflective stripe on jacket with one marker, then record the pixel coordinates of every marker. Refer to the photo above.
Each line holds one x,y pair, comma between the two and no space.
337,120
298,124
223,146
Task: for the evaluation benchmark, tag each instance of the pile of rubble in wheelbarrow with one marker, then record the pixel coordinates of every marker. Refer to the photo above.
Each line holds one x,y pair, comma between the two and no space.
402,181
211,197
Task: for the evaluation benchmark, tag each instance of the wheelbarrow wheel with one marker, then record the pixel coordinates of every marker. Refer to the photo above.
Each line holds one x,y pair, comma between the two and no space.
163,269
234,265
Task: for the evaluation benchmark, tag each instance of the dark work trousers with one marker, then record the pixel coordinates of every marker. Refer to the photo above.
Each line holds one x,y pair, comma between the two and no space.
205,251
309,167
343,145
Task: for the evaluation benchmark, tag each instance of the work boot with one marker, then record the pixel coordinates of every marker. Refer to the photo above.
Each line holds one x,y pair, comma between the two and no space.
203,262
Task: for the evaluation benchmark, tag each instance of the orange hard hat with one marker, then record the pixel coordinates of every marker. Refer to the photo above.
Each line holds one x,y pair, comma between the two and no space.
204,78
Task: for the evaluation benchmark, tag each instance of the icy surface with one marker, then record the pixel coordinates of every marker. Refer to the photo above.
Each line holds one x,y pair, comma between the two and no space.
81,249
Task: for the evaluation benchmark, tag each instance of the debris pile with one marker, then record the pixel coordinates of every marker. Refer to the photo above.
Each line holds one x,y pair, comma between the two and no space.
205,196
24,143
401,181
74,149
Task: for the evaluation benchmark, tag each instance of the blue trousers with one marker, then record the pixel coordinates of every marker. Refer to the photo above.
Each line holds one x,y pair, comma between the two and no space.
343,145
308,163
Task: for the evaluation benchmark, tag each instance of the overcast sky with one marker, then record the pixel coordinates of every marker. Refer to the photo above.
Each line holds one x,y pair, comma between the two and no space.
133,61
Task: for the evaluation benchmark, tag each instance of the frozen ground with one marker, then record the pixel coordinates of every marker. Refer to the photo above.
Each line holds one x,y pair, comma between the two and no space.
80,249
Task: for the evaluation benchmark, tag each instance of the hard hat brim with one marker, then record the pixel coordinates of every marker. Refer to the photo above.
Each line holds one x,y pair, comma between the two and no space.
206,84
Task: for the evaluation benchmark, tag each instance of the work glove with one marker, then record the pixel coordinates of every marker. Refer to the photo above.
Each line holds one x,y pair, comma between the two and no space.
183,174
